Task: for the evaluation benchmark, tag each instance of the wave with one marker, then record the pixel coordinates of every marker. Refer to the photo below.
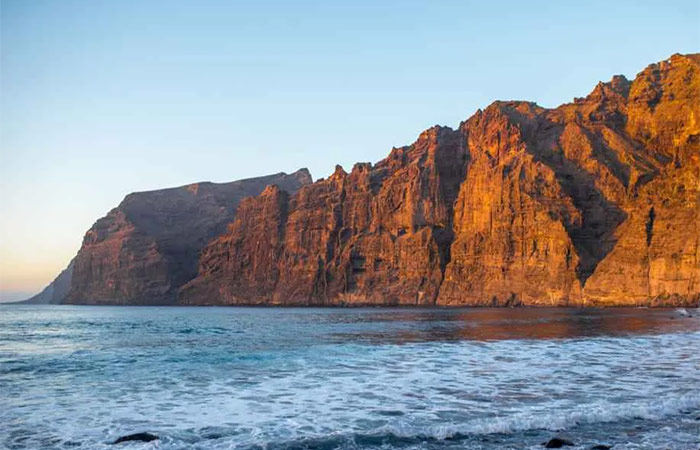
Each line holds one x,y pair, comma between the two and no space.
601,413
402,435
531,427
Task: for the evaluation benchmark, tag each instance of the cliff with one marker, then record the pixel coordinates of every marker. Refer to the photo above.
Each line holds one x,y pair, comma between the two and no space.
377,235
56,291
145,249
595,202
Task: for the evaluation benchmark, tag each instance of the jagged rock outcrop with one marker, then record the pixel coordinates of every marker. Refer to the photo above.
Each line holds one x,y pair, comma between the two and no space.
595,202
657,257
378,235
144,250
56,291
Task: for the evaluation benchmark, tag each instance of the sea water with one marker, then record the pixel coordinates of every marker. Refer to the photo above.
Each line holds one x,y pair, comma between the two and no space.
78,377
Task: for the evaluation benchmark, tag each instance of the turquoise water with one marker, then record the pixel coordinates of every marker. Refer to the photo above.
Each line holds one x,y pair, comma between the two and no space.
266,378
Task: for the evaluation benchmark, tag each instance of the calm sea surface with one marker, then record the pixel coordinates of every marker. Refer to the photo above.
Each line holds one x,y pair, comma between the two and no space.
76,377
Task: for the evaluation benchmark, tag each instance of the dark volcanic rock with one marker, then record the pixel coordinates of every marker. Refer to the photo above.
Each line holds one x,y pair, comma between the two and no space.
595,202
149,246
558,443
142,437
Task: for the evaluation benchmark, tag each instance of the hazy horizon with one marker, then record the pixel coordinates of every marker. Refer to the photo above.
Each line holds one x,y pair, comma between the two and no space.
98,100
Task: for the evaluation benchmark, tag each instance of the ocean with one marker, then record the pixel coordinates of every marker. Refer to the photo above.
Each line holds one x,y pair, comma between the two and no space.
79,377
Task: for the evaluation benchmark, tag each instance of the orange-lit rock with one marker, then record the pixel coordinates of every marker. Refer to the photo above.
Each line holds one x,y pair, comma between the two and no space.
591,203
596,202
378,235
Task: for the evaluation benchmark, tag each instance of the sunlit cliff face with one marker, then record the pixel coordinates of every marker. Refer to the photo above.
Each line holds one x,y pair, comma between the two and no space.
592,203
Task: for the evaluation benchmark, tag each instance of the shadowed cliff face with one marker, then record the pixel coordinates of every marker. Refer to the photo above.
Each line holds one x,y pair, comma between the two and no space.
594,202
145,249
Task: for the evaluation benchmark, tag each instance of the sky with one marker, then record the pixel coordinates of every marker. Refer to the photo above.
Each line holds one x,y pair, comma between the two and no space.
99,98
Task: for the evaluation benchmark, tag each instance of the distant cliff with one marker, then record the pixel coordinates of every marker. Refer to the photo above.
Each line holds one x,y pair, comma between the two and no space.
145,249
56,291
595,202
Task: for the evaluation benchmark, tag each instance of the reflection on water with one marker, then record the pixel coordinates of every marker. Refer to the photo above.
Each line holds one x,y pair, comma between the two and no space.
487,324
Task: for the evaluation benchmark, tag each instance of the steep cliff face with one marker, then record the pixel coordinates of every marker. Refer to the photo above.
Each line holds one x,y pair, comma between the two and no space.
657,257
511,241
144,250
377,235
594,202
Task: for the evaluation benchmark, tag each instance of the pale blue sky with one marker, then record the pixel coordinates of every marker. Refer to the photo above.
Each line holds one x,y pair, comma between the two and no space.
102,98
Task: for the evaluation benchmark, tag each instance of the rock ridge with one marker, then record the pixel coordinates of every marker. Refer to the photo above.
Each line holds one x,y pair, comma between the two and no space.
593,203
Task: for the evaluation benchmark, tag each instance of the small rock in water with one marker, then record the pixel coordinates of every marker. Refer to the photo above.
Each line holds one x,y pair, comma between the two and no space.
143,437
601,447
557,443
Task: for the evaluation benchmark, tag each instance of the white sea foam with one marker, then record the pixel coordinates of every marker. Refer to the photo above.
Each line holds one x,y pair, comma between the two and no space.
556,421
